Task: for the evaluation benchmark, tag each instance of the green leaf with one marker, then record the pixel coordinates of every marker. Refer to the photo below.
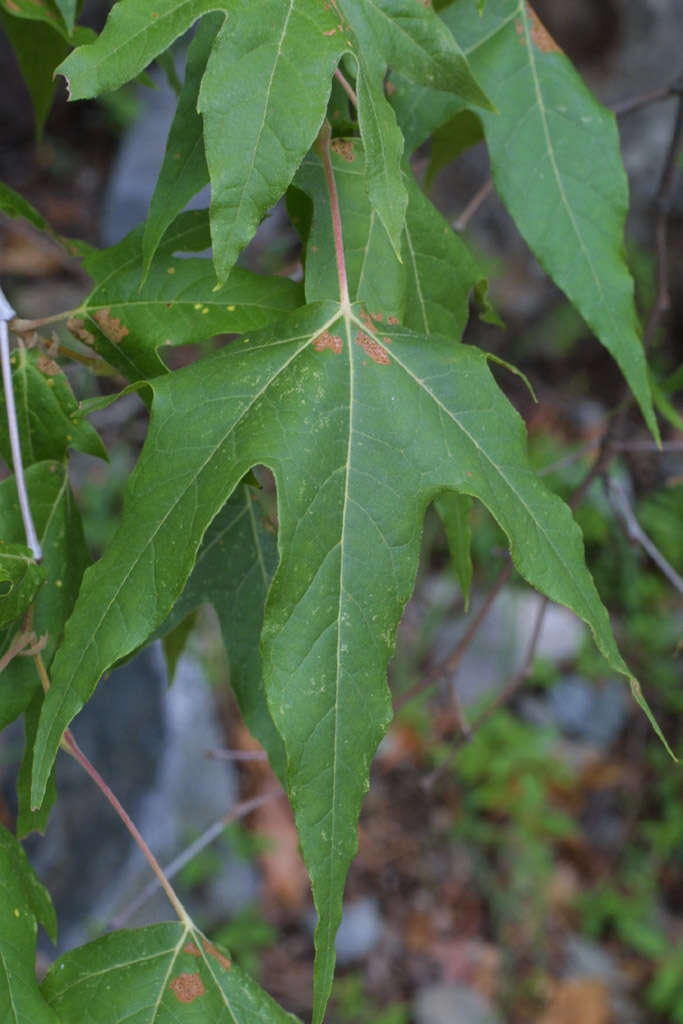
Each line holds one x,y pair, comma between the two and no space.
20,577
449,141
410,36
46,12
48,417
275,61
14,205
362,430
366,243
39,49
68,11
158,975
23,902
556,164
383,144
234,567
420,110
175,641
441,271
65,556
184,172
454,511
136,32
178,304
29,820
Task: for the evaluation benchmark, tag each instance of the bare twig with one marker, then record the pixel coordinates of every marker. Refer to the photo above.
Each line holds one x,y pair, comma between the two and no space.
7,313
621,507
237,755
663,204
240,810
506,694
455,657
71,747
647,98
477,200
346,86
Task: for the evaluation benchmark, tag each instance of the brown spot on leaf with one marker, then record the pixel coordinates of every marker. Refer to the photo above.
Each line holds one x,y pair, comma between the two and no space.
187,987
11,6
110,326
540,36
219,957
373,348
192,949
392,321
47,366
330,32
344,148
77,328
377,317
327,340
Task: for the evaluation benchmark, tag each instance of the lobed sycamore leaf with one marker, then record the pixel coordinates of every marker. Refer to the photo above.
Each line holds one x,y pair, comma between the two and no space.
23,902
556,163
275,62
127,322
48,417
363,424
158,975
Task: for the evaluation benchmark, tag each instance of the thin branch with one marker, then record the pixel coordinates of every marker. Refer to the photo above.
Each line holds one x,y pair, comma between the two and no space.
323,145
646,98
71,747
237,755
663,203
24,326
240,810
515,683
455,657
477,200
7,313
621,507
25,643
346,86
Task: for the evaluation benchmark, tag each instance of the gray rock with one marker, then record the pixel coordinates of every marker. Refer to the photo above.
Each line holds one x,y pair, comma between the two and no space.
138,162
359,932
594,713
586,959
451,1003
500,646
149,743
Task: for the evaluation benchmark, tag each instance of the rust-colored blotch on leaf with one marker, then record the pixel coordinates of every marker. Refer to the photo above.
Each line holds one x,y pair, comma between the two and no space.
542,39
110,326
327,340
344,148
78,329
187,987
219,957
373,348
